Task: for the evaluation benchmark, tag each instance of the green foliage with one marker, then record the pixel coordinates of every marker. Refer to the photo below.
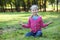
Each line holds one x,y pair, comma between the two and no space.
51,1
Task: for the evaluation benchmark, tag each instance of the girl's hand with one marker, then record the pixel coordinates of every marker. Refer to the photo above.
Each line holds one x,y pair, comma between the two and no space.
20,23
50,22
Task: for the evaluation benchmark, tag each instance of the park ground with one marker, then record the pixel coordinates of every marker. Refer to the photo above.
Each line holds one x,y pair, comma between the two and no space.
11,19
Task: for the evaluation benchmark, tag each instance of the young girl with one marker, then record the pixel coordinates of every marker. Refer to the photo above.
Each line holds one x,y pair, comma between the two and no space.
35,23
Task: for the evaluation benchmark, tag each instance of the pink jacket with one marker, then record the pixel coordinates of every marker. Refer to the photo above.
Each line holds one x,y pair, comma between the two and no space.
35,25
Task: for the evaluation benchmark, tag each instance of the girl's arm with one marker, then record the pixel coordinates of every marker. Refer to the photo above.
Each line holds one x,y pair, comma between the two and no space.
27,25
43,24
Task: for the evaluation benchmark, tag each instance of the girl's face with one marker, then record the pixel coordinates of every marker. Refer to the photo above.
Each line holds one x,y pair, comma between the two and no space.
34,11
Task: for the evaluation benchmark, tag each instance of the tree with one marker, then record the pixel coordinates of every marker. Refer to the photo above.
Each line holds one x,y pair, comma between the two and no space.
57,5
28,4
17,5
44,4
23,5
10,2
35,2
2,4
53,3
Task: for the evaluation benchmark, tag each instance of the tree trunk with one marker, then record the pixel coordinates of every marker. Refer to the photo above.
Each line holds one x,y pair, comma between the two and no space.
11,7
17,8
44,6
28,5
57,5
17,5
2,9
40,5
54,6
23,5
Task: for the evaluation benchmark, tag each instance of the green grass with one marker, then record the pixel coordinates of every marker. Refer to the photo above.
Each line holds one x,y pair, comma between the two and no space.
52,32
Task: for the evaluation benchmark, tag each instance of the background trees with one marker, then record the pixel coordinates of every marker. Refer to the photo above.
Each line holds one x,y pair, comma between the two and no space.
24,5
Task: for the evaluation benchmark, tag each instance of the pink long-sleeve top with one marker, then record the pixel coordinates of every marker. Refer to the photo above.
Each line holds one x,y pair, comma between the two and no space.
35,25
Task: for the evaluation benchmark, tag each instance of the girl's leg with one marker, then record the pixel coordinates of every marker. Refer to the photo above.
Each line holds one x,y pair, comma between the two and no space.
38,34
29,34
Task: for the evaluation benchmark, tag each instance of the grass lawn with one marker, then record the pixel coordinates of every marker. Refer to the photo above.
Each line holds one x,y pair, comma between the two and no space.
51,32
